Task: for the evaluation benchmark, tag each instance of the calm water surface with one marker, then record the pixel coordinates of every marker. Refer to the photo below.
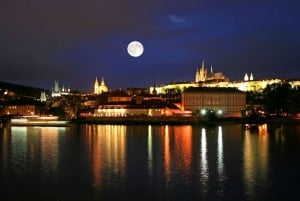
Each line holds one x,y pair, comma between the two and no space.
118,162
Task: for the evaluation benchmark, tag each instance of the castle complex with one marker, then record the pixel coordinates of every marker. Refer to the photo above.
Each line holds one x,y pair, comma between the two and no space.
205,78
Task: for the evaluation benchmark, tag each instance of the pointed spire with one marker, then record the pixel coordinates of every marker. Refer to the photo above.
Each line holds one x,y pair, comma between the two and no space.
203,64
251,76
246,78
196,75
154,89
211,70
96,86
102,81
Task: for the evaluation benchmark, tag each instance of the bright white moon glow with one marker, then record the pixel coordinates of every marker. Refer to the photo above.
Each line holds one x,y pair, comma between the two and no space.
135,49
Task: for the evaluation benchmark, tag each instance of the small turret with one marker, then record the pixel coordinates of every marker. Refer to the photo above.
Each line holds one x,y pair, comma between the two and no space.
251,77
246,78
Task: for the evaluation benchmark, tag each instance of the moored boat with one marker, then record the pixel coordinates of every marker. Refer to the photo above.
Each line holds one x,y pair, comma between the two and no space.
36,120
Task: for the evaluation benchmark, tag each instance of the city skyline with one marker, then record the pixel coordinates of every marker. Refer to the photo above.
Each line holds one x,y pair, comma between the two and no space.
74,42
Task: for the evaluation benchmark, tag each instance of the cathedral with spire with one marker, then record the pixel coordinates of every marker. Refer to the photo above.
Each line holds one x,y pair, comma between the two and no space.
100,88
203,74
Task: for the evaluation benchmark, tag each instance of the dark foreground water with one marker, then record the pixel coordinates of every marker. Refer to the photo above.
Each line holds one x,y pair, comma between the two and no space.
117,162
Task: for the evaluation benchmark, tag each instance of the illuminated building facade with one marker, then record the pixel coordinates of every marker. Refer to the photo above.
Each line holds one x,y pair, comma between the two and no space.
123,110
118,96
228,102
119,104
19,110
100,88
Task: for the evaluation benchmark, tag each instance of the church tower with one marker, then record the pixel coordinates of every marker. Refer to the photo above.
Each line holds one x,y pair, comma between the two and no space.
100,88
43,96
203,72
197,75
56,91
96,86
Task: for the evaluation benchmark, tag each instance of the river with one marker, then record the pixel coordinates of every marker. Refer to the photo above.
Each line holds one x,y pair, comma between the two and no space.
144,162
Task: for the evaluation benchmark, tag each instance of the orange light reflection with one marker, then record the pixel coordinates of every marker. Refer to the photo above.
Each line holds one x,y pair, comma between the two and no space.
107,146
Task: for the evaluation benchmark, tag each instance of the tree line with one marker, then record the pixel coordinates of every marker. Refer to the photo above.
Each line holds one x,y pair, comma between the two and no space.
277,99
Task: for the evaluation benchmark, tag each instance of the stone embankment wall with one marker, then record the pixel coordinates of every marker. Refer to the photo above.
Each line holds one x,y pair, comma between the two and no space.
152,120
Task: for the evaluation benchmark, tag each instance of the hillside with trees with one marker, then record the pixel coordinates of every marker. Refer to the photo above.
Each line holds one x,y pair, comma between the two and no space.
20,90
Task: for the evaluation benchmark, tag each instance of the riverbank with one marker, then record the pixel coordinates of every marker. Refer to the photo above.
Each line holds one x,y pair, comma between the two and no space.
174,120
137,120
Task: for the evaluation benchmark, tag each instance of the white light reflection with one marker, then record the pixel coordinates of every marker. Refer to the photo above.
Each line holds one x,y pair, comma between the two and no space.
49,149
150,159
204,163
220,152
18,148
220,161
4,148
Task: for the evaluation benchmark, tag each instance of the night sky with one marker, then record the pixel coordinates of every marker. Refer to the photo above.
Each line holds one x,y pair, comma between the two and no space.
73,41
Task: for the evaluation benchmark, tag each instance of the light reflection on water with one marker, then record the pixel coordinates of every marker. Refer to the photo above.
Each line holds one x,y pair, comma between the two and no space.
107,152
19,149
166,162
204,163
150,154
220,164
30,145
49,150
256,161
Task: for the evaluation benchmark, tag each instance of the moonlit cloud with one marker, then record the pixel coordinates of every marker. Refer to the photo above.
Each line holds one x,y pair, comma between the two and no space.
176,19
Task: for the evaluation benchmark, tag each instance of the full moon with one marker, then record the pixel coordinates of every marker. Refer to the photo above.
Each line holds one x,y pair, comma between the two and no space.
135,48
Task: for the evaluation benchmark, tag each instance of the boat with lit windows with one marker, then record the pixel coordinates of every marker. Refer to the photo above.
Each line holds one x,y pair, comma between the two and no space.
36,120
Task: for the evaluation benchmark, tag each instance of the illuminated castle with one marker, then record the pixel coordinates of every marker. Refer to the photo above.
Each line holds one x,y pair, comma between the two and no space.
100,88
203,78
